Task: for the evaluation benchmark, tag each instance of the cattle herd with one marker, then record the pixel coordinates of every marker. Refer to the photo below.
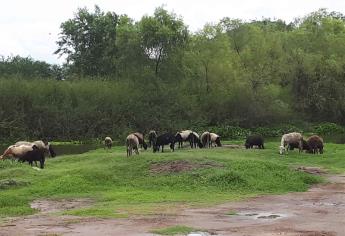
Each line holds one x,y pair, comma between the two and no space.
313,144
30,152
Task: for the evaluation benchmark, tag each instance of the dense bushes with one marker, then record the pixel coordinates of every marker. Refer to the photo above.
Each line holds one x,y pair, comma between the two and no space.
233,78
90,109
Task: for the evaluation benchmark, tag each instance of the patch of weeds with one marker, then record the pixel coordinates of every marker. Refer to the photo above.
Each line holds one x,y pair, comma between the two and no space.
96,212
231,213
174,230
10,183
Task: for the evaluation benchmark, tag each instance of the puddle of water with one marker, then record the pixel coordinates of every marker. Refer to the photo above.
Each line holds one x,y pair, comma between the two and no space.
251,214
263,215
331,204
269,217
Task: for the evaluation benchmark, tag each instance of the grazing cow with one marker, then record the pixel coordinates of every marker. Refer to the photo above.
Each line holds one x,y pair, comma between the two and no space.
254,140
315,144
152,138
44,146
182,136
194,140
288,139
165,139
206,139
215,138
132,142
108,142
36,154
141,139
305,146
25,153
15,151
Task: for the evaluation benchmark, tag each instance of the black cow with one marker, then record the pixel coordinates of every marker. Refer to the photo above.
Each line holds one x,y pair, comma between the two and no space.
194,140
254,140
35,155
164,139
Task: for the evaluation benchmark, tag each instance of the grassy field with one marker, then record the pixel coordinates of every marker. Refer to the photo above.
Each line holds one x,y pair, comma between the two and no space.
146,184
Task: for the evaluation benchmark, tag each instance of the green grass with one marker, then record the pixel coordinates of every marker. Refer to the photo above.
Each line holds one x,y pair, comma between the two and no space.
122,186
231,213
174,230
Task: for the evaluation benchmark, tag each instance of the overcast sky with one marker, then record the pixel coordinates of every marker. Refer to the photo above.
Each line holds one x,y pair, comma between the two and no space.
31,28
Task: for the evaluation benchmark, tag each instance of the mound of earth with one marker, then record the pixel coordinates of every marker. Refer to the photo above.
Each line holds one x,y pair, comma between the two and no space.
311,170
180,166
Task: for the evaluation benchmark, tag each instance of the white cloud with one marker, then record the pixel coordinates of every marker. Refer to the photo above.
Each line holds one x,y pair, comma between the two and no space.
32,27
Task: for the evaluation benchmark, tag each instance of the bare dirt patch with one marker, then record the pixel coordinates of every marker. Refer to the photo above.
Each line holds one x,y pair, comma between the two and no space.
311,170
50,206
180,166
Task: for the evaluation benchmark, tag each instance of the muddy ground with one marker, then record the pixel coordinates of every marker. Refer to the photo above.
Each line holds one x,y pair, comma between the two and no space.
317,212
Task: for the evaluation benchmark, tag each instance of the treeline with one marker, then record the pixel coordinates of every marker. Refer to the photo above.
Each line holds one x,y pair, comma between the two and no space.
123,75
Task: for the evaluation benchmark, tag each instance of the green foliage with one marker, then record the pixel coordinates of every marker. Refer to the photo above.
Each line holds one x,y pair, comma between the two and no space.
89,41
26,67
276,130
160,35
230,77
174,230
329,129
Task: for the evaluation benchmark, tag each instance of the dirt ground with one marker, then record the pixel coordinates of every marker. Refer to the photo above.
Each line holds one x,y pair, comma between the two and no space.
317,212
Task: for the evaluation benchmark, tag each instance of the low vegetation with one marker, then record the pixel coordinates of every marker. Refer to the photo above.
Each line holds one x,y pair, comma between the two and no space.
121,186
174,230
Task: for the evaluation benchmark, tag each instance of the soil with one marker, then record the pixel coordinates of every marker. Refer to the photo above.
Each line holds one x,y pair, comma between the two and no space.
317,212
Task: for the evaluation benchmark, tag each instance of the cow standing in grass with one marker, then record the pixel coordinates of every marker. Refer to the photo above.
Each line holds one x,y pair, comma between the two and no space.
25,153
108,142
215,138
165,139
315,144
132,143
183,136
44,146
152,138
194,140
205,139
288,139
141,139
254,140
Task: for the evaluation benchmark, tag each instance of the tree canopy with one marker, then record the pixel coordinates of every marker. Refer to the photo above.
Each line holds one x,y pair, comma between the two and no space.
246,73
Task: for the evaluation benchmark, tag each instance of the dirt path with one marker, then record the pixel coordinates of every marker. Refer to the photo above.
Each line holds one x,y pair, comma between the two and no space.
318,212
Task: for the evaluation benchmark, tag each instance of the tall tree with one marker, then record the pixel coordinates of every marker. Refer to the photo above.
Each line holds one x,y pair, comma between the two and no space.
161,34
89,41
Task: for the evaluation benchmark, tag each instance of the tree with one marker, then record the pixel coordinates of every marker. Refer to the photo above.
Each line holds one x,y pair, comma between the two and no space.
89,41
160,35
